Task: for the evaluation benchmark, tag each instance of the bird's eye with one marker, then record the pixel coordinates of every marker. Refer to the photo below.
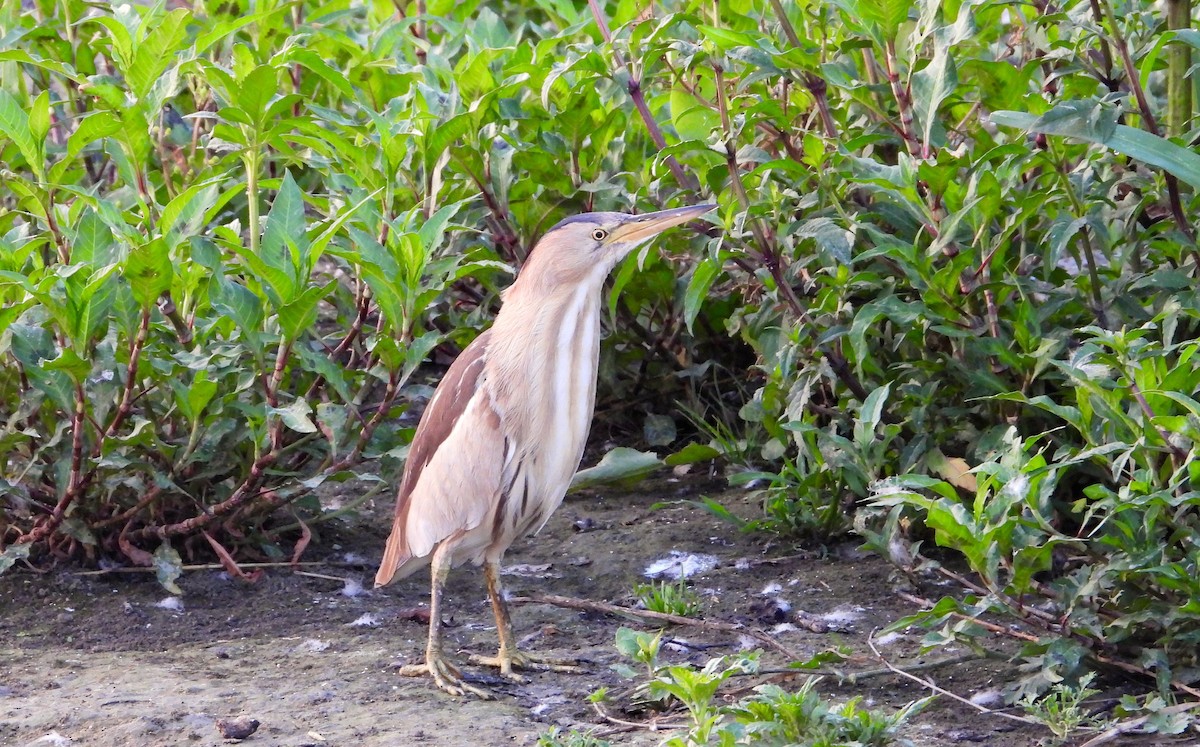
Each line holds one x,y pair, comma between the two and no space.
599,234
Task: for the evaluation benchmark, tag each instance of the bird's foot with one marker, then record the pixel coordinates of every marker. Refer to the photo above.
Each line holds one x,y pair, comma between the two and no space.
507,661
446,676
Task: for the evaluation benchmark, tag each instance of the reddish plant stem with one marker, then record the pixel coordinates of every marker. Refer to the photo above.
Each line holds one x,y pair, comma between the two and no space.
244,492
127,395
814,83
503,234
183,330
364,436
75,480
297,19
770,258
1131,74
64,254
771,129
1178,455
634,87
150,496
903,100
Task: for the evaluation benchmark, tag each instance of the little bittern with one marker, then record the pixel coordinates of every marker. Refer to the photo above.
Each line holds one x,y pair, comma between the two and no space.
504,432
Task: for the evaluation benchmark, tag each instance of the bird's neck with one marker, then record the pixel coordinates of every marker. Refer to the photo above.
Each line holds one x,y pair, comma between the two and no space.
544,353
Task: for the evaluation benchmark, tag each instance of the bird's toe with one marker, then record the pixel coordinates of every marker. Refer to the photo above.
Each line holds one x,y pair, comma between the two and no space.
446,677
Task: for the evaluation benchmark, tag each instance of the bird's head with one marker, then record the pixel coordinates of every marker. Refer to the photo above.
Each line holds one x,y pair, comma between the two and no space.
591,244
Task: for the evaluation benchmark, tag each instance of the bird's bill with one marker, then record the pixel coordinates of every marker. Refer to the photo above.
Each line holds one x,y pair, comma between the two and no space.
641,227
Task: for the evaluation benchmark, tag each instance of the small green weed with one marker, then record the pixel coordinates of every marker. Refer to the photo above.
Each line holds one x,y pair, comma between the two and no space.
555,737
772,716
669,598
1061,710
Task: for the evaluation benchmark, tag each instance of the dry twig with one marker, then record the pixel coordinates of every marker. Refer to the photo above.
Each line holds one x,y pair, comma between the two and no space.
588,605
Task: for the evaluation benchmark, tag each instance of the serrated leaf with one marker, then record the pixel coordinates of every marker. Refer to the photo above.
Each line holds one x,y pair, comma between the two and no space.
255,92
156,51
887,14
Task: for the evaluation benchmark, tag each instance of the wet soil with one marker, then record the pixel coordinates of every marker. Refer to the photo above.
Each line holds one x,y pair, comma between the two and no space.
112,659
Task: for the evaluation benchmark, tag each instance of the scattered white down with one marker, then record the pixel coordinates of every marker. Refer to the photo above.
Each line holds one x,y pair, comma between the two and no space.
677,565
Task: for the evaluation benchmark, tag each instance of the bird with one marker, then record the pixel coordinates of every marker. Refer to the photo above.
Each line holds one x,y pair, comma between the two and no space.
504,432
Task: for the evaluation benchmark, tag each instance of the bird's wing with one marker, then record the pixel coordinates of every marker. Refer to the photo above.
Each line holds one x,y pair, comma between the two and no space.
447,483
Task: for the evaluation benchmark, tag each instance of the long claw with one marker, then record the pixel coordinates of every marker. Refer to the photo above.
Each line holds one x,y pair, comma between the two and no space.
446,676
506,662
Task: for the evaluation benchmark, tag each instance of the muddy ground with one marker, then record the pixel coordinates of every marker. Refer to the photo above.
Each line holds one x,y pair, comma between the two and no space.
114,660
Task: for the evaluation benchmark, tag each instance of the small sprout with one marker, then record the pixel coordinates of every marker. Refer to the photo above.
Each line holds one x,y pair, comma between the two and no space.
555,737
675,598
1061,710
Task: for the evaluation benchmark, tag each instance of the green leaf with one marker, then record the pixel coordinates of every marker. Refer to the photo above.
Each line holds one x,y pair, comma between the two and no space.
931,87
240,304
726,39
295,416
621,466
184,215
703,275
886,14
12,554
691,454
283,232
69,362
14,124
1138,144
93,244
871,414
149,271
300,313
168,567
228,27
691,119
445,134
832,239
39,117
255,92
659,430
91,128
155,52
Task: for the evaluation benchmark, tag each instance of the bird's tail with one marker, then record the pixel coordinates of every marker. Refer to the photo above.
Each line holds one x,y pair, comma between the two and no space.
395,554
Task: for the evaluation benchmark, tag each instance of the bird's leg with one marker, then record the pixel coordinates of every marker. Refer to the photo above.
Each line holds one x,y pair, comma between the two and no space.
445,675
509,657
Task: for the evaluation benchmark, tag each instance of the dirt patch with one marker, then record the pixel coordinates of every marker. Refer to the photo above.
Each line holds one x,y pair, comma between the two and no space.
113,660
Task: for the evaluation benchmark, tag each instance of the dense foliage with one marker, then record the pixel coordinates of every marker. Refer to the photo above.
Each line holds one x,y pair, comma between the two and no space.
955,248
